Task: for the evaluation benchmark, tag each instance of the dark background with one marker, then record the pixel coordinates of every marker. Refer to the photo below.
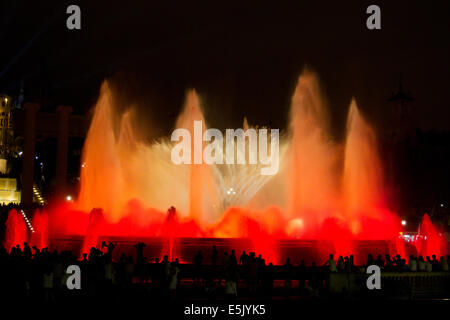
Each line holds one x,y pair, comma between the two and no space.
244,59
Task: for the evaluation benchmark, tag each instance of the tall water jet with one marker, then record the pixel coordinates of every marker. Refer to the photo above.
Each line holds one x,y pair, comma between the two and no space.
201,188
39,237
240,179
429,240
100,168
362,180
96,222
324,191
16,231
311,176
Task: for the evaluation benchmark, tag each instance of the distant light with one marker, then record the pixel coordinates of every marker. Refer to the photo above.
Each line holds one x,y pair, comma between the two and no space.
36,157
403,222
69,198
83,165
442,205
6,99
27,221
20,153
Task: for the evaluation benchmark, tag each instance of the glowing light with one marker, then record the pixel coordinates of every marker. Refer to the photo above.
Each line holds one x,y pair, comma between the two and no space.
403,222
27,221
20,153
234,197
325,189
442,205
231,191
38,195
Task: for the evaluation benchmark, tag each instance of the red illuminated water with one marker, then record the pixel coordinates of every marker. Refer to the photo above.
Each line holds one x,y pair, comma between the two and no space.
39,237
324,190
429,240
16,232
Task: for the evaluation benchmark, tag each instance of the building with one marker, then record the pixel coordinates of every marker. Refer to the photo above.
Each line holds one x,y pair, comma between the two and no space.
9,192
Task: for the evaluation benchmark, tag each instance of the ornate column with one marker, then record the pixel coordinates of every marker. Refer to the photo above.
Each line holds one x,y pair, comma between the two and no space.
62,149
31,110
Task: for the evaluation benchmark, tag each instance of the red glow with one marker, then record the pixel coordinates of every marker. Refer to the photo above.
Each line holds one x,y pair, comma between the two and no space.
39,237
325,191
429,240
16,231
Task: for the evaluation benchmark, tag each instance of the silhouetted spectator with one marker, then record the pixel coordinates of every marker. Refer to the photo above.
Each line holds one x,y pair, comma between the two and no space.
158,276
261,265
109,248
140,252
243,258
403,266
301,274
389,264
435,263
233,259
370,260
231,280
173,279
288,271
379,262
252,273
48,284
348,266
412,264
226,259
421,264
165,264
428,265
341,264
331,264
268,276
26,251
214,254
198,260
313,284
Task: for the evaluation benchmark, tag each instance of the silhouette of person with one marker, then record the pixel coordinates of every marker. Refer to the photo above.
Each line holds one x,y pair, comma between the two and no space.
244,257
214,254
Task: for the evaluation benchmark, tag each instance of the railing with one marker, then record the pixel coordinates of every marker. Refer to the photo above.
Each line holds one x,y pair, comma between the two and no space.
38,195
407,285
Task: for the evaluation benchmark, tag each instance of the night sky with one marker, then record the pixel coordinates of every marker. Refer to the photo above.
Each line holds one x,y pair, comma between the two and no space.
243,58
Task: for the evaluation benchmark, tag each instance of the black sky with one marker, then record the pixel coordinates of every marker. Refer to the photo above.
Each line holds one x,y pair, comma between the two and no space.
243,57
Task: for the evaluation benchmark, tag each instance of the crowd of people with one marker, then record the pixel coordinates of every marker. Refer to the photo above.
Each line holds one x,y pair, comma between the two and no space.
30,272
395,264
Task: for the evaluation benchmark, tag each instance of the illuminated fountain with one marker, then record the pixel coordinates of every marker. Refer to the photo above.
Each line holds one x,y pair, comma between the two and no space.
16,231
325,195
